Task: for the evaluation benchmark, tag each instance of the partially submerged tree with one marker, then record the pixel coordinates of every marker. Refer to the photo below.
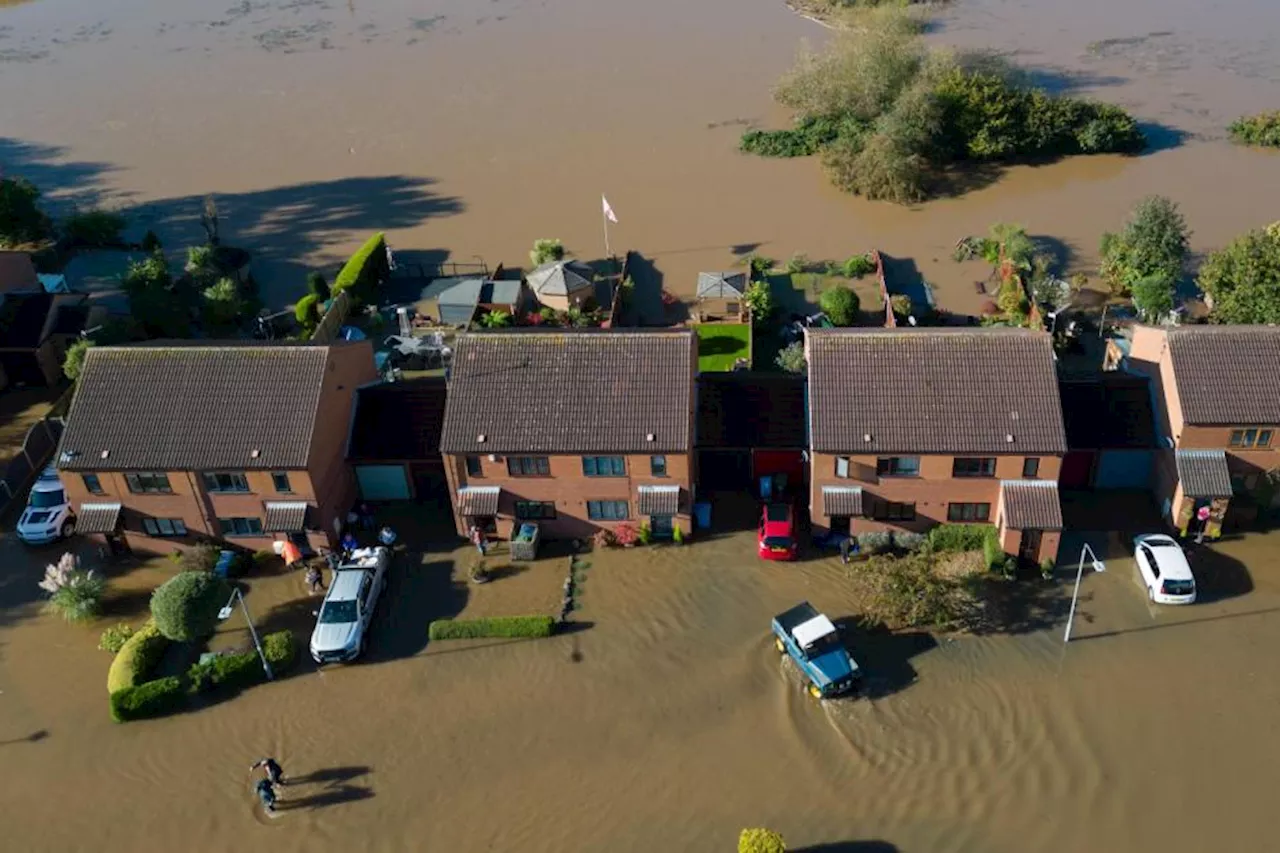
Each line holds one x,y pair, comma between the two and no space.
162,310
545,251
1154,242
222,303
1153,296
840,304
1243,279
761,841
759,300
21,219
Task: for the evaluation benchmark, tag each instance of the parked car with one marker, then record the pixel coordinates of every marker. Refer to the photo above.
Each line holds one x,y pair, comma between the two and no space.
342,624
47,517
777,535
1164,569
813,642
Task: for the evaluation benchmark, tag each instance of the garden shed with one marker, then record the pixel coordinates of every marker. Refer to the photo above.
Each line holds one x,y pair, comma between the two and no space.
719,296
454,300
561,285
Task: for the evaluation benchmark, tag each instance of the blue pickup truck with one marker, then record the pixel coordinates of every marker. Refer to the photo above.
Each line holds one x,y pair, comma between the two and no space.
814,644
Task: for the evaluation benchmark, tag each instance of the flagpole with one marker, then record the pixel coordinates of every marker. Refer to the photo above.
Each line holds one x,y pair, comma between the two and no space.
604,217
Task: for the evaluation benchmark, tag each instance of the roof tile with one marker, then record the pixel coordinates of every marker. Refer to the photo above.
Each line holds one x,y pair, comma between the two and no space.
1031,505
1227,374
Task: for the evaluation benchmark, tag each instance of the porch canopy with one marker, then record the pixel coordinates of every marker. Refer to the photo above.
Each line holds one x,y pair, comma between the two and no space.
1203,473
98,518
478,500
1031,505
658,500
842,500
285,517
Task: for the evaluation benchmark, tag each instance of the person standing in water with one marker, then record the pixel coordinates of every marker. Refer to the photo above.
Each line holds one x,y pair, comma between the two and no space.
275,773
267,795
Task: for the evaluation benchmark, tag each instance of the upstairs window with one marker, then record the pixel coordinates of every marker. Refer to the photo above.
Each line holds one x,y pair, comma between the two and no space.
973,466
92,484
658,466
148,483
604,466
1031,467
528,466
898,466
1251,437
229,481
280,481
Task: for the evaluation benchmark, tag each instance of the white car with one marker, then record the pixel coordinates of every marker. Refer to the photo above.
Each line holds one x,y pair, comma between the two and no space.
342,625
47,517
1165,570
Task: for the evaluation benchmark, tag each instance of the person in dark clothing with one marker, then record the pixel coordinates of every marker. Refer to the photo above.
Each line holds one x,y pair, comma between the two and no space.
266,794
846,546
315,579
275,773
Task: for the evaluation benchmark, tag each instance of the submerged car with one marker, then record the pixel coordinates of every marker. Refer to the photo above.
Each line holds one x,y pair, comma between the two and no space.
342,624
1164,569
777,534
47,517
813,642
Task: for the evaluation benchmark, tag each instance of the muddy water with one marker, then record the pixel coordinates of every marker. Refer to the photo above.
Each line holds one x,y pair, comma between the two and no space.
669,723
470,127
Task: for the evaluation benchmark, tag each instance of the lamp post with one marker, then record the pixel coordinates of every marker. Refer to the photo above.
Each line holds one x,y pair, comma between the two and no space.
1098,566
225,613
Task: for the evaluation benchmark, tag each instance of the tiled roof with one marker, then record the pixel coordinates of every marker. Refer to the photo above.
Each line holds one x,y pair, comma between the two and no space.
398,420
285,516
1110,411
657,500
933,391
1031,505
584,391
98,518
1227,374
1204,473
17,272
842,500
743,409
478,500
193,407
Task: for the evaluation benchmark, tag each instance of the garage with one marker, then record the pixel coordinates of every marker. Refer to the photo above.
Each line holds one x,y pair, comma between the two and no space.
394,445
383,482
750,425
1111,432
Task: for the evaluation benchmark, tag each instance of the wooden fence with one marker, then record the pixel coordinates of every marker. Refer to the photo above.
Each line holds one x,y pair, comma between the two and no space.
37,449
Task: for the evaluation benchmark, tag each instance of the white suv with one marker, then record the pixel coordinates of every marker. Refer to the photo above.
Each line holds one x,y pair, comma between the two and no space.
1165,570
47,517
343,621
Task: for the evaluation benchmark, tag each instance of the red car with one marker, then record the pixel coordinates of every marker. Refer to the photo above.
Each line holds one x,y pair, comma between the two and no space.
777,532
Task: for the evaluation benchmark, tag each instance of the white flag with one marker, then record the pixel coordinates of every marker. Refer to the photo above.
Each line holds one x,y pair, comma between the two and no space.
608,211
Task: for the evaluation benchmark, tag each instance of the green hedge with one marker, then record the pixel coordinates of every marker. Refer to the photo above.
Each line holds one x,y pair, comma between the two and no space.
244,670
498,626
958,537
150,699
281,650
137,657
992,550
366,269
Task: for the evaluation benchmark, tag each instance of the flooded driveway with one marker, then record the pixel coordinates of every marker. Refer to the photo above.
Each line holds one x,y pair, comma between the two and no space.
668,723
468,128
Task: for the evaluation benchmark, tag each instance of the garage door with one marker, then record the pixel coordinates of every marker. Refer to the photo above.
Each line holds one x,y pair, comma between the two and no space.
383,482
1124,469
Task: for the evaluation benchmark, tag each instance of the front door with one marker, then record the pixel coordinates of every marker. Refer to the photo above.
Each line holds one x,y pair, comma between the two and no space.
1029,549
660,526
840,525
487,524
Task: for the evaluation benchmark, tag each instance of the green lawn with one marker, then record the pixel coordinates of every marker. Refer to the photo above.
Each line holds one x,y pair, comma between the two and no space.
721,344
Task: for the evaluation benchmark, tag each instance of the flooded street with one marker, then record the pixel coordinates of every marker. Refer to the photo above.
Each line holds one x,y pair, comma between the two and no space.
668,722
467,128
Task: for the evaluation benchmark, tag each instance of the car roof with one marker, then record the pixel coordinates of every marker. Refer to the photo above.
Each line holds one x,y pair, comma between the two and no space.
815,629
47,481
1169,558
345,585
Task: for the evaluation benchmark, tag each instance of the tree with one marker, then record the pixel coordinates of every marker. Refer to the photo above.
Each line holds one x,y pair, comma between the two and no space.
759,300
185,607
21,219
1243,279
317,285
840,304
1154,296
222,303
545,251
200,262
791,358
761,841
1154,241
73,362
160,309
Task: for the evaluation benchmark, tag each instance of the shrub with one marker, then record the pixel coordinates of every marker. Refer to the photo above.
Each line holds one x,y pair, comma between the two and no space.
906,540
201,558
644,535
857,266
950,538
874,541
74,593
908,592
759,265
840,304
21,220
901,304
222,303
113,638
186,606
307,312
1243,279
761,841
626,534
1153,296
318,286
366,269
281,651
604,538
231,671
807,137
677,535
497,626
992,551
1046,568
797,263
1261,129
545,251
73,361
152,699
791,358
759,300
495,319
136,658
93,228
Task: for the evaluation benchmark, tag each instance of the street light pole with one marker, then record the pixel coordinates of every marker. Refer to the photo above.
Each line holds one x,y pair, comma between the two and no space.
1098,566
225,613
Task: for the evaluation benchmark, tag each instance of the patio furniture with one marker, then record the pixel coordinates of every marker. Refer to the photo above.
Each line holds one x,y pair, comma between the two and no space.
524,544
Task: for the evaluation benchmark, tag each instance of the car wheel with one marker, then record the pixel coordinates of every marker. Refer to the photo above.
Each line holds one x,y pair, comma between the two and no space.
68,527
815,692
777,644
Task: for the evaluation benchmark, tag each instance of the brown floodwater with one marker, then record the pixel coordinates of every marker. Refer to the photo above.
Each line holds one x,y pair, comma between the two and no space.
467,128
668,722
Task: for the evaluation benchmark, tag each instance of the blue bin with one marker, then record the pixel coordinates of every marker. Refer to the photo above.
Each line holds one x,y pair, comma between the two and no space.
223,567
702,515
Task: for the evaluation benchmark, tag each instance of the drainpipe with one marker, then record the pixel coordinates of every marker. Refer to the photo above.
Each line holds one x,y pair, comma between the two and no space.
201,499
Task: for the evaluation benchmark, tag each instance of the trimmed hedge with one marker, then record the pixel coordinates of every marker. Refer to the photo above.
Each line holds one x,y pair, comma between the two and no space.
150,699
992,551
281,650
947,538
185,607
365,270
138,656
498,626
244,670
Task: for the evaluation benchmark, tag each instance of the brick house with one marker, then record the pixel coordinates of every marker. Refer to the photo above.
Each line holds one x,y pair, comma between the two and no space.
913,428
168,445
1217,400
577,430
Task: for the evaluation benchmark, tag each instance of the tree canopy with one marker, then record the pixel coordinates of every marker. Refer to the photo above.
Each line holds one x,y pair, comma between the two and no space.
1243,279
1154,242
21,219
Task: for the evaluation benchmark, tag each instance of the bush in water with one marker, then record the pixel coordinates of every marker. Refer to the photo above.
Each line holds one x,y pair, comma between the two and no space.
151,699
136,658
946,538
114,638
186,606
761,841
497,626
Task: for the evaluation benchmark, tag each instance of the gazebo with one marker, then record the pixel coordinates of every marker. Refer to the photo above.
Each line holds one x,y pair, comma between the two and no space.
719,296
562,285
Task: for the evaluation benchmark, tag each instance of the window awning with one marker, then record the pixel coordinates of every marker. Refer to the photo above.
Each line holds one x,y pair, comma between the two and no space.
842,500
478,500
98,518
1031,505
1204,473
285,517
658,500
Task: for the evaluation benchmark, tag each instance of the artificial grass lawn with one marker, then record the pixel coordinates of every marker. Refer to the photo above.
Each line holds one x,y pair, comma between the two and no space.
721,344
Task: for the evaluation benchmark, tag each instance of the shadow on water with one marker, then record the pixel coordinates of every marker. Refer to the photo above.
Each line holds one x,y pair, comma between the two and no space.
422,592
1061,252
903,277
34,737
884,655
1159,626
330,775
1161,137
329,797
646,307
